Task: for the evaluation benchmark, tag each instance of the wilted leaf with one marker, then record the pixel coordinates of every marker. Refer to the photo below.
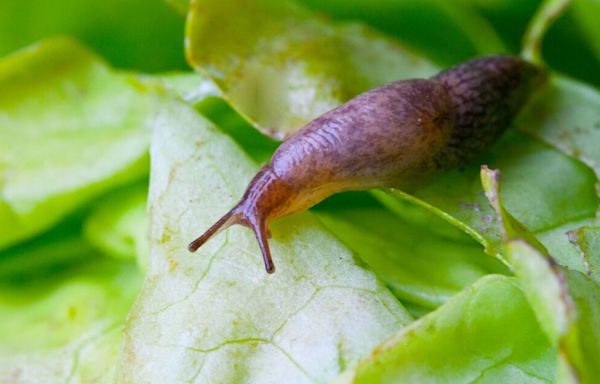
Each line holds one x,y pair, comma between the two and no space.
216,316
542,280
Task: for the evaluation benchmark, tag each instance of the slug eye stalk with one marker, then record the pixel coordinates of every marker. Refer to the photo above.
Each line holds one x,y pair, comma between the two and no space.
236,216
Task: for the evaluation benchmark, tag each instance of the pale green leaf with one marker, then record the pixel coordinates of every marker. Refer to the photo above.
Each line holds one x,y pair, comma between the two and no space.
216,316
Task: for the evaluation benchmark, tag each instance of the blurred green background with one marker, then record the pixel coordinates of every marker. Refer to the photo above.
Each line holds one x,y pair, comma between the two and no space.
148,35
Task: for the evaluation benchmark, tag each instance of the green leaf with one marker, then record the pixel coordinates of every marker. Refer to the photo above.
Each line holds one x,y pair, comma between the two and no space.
280,66
573,327
187,86
419,265
540,277
117,226
566,115
54,250
564,190
215,315
181,6
587,241
486,334
584,343
70,129
66,326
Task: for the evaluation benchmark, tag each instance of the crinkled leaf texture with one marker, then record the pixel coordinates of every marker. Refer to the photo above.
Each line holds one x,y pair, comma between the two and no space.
70,129
281,66
65,327
485,334
216,316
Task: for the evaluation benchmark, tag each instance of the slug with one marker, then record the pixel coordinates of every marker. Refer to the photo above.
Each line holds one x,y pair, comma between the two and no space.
397,135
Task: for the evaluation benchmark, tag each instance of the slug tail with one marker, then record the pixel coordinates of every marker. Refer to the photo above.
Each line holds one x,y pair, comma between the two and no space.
224,222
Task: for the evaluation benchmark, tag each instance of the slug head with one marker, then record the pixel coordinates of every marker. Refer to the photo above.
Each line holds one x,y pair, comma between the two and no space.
265,198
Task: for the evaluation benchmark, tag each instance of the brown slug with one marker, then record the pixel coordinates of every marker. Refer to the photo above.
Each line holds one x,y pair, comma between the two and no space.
396,135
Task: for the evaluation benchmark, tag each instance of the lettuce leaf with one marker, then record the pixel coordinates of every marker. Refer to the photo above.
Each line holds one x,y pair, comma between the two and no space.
566,115
65,326
117,226
216,315
70,130
280,66
485,334
417,264
571,325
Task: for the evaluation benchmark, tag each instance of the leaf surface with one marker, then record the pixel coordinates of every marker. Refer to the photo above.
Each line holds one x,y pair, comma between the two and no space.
485,334
419,265
70,129
216,315
65,326
571,325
